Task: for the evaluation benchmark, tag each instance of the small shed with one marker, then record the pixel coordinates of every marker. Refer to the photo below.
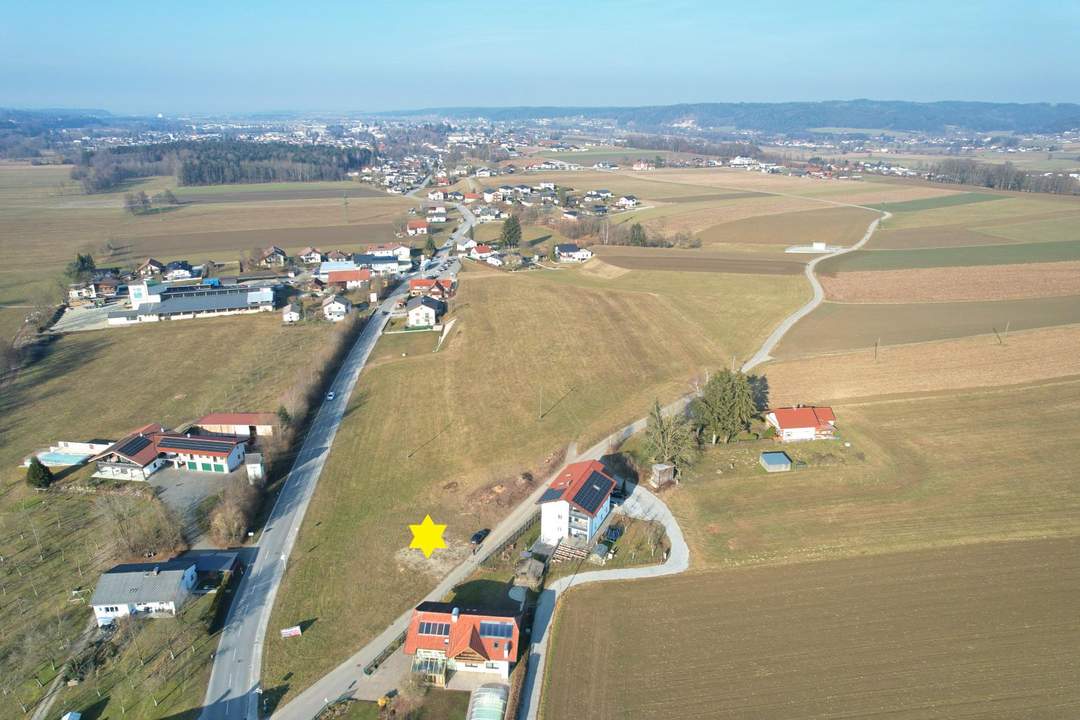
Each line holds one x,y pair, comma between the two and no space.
662,474
775,461
529,573
253,463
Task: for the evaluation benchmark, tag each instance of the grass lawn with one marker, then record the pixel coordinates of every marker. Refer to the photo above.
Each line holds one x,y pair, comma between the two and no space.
450,433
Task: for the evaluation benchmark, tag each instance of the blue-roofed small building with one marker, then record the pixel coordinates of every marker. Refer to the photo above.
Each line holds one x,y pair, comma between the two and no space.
775,461
576,504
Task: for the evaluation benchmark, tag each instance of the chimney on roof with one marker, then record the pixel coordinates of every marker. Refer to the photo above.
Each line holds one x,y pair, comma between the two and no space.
454,614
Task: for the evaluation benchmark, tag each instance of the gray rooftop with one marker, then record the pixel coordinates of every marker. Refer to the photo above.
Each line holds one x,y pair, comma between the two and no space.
232,299
138,583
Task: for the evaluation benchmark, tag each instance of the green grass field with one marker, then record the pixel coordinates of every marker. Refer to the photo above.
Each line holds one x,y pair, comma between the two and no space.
1031,252
450,433
938,202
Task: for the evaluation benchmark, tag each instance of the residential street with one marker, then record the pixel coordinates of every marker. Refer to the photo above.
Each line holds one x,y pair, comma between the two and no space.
233,692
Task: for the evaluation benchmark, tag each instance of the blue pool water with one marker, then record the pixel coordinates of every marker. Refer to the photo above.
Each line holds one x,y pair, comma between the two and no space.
61,458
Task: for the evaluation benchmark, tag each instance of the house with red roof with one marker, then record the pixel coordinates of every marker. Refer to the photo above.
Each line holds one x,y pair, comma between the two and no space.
576,503
357,278
416,227
802,422
481,252
444,638
438,288
471,197
133,457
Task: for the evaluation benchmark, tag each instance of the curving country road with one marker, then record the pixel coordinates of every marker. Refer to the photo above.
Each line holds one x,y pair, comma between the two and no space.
763,353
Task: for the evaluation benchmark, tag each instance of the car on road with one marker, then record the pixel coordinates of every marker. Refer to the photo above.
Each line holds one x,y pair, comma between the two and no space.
331,395
478,537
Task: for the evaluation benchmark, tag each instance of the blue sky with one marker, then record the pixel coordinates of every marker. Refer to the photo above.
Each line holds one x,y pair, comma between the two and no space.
233,55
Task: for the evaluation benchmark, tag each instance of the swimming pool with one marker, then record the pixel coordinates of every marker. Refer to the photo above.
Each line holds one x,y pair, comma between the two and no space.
55,458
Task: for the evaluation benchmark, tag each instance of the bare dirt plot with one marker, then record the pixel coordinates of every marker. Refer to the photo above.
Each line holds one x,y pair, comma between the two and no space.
959,284
835,327
192,245
980,631
1041,252
634,258
833,225
224,196
1027,356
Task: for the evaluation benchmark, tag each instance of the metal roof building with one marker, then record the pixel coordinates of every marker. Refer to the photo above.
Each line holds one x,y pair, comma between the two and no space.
141,583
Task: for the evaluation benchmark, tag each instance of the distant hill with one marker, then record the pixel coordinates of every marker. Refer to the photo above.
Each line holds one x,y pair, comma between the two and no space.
895,115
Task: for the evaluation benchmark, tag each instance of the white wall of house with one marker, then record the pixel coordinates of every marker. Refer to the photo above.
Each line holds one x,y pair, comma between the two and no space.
105,614
493,667
212,463
422,316
128,471
554,521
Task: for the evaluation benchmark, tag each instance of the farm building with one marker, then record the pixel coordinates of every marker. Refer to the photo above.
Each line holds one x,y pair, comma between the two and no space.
444,638
777,461
142,589
152,302
802,423
242,424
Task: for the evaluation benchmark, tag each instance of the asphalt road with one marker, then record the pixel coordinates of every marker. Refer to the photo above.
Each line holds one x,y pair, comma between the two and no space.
233,692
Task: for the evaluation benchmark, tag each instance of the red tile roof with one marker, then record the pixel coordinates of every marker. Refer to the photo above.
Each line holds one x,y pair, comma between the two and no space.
418,223
341,276
255,418
574,477
145,455
464,632
804,417
480,249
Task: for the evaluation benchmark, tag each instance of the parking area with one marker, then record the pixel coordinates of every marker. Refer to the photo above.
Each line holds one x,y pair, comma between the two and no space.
87,317
184,492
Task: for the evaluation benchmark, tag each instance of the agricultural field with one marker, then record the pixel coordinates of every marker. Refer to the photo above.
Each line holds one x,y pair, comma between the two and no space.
955,284
932,367
40,207
973,631
835,226
505,395
987,254
672,259
535,239
835,327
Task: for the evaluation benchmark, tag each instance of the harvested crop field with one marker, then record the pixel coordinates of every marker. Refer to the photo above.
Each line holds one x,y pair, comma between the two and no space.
835,327
985,630
835,225
224,196
953,256
707,197
330,237
1027,356
958,284
1043,227
635,258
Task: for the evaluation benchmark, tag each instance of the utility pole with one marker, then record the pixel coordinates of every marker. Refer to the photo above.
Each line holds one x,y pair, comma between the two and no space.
540,405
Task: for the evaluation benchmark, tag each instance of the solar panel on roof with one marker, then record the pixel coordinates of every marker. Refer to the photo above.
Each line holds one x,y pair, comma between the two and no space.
496,629
551,494
593,492
133,445
195,443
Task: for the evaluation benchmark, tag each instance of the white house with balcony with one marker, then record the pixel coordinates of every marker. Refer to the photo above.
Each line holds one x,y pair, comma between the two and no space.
576,504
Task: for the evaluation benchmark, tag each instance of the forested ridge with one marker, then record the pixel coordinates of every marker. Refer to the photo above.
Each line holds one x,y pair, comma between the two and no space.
217,162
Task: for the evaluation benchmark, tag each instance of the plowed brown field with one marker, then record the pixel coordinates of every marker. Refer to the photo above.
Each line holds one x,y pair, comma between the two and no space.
969,632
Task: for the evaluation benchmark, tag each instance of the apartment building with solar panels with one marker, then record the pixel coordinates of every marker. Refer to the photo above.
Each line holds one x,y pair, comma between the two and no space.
576,504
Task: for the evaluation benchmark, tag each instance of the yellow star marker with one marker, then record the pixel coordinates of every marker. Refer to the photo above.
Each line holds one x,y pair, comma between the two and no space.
427,536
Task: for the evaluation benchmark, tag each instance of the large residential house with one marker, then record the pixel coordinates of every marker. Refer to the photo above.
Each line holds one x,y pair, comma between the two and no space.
335,308
178,270
436,195
465,244
133,457
142,453
272,256
416,227
576,504
423,312
394,250
150,589
802,423
570,252
311,256
481,252
149,268
440,289
381,264
444,638
627,201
